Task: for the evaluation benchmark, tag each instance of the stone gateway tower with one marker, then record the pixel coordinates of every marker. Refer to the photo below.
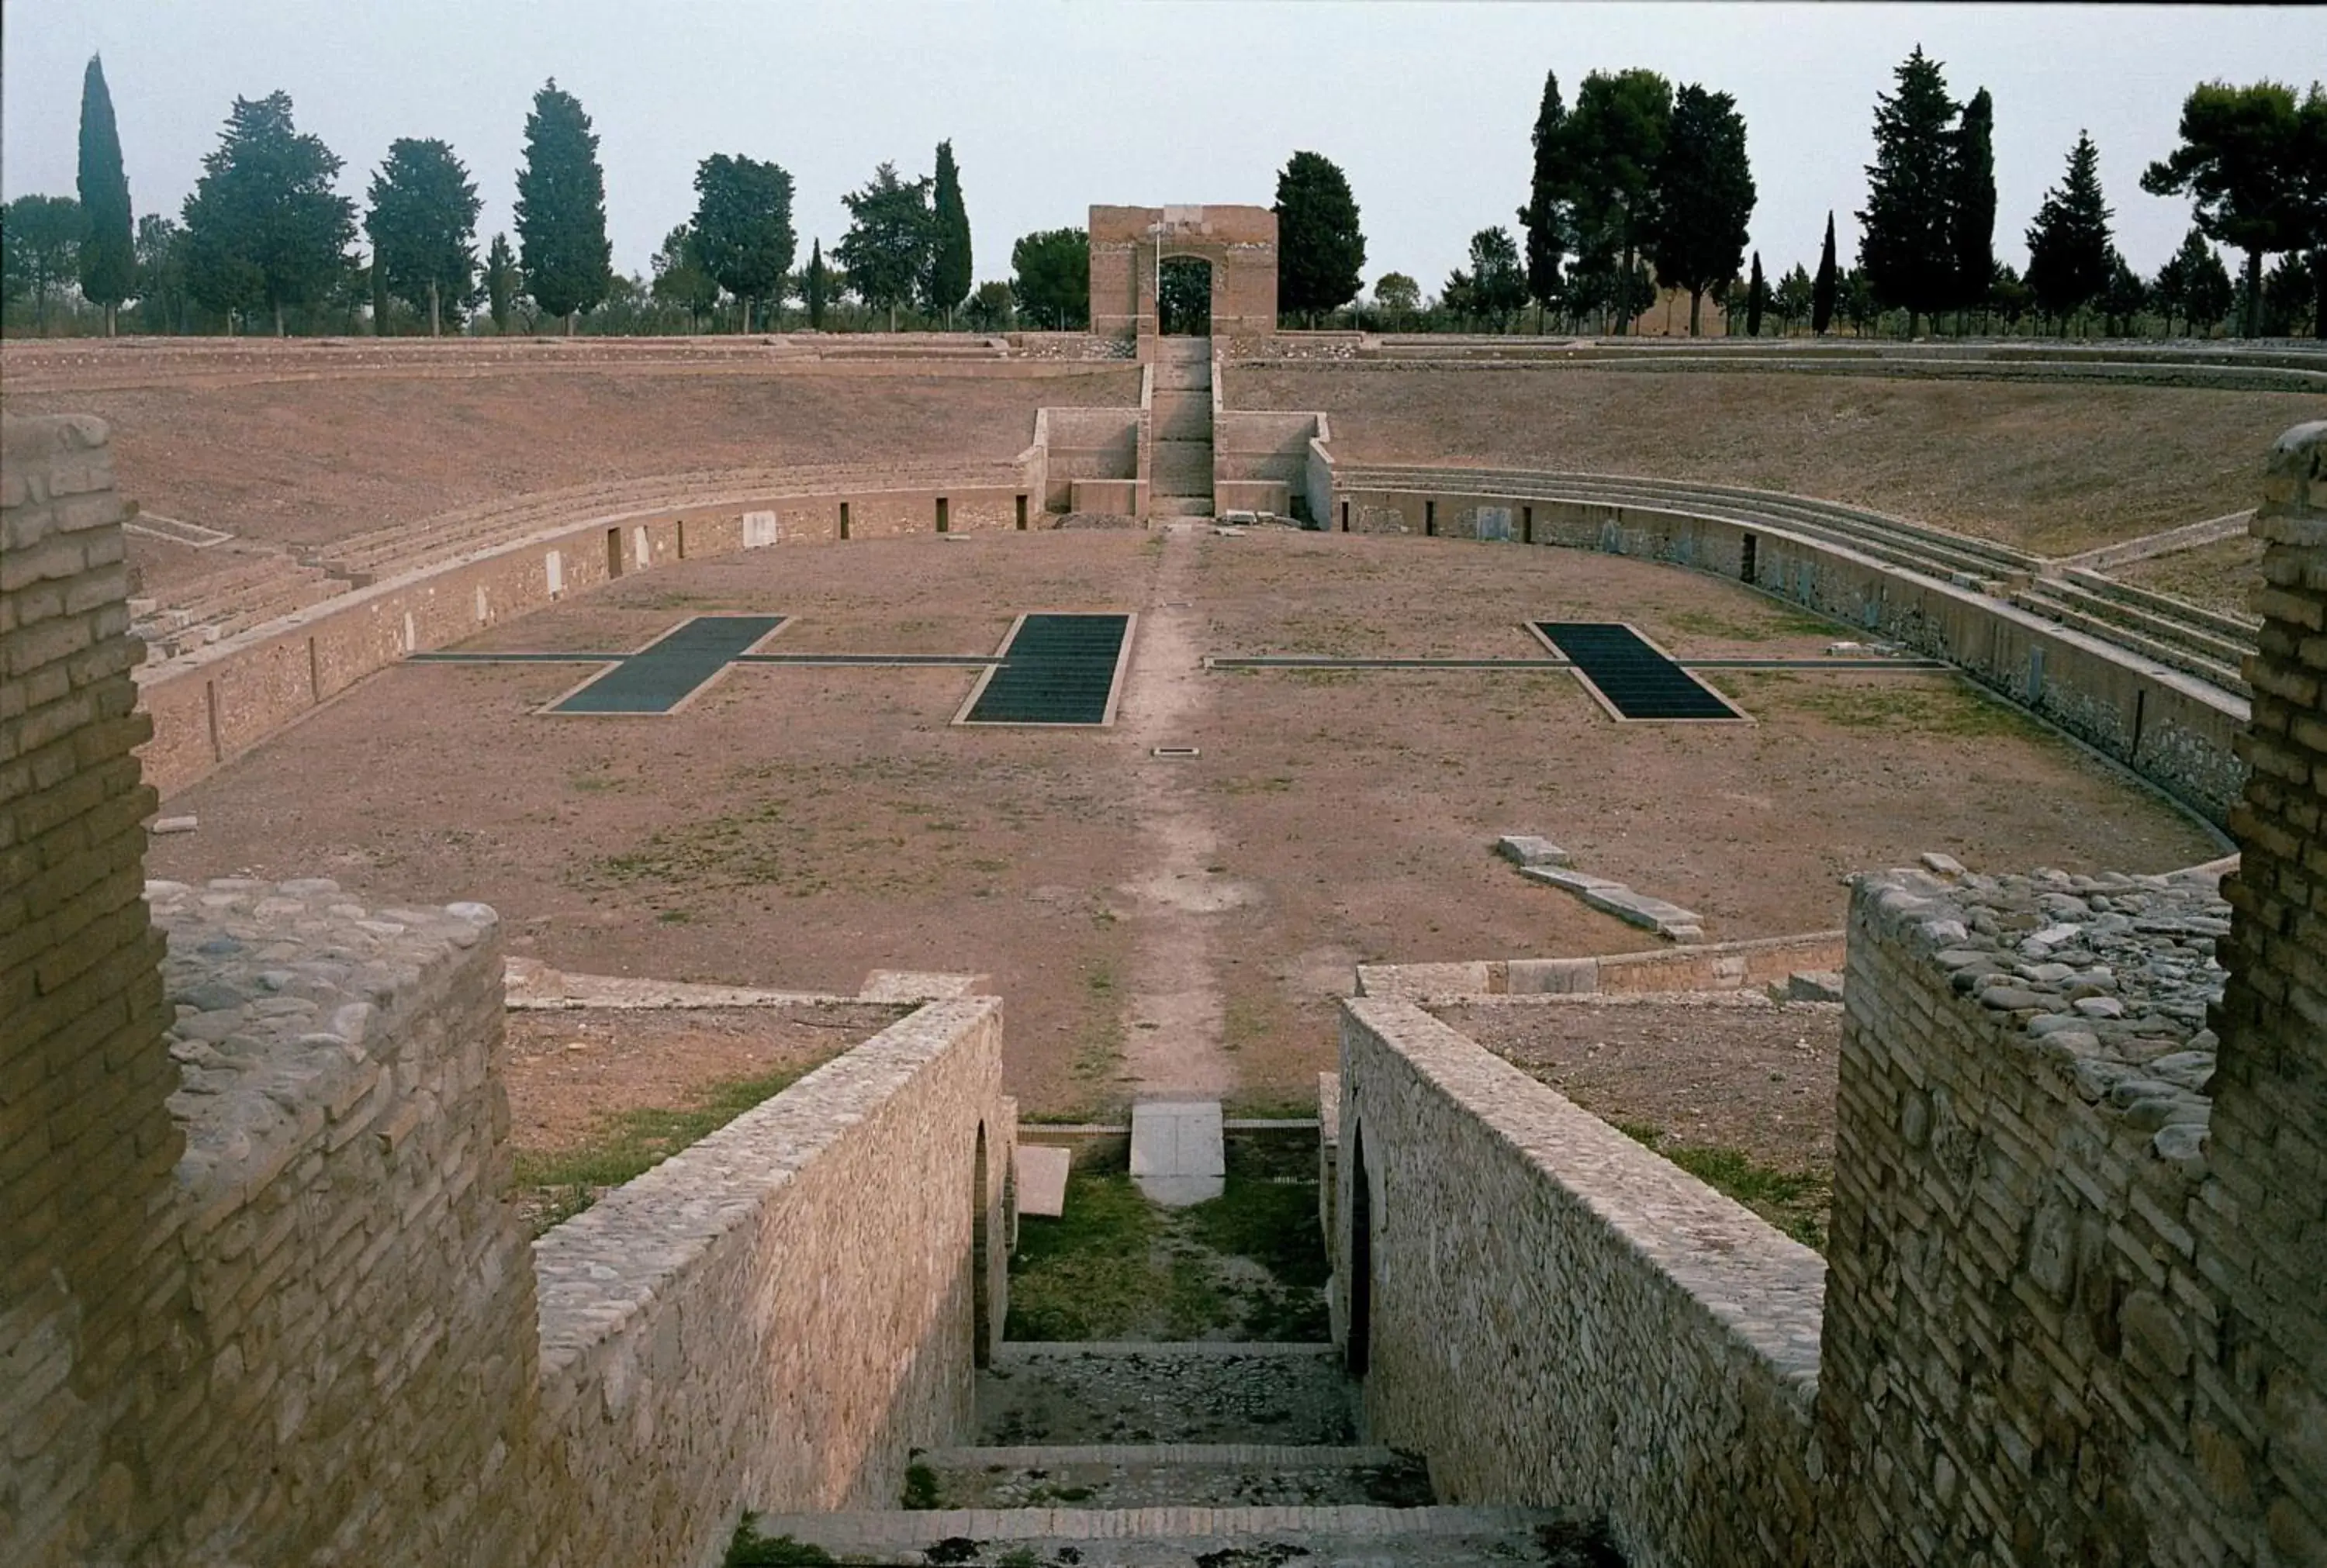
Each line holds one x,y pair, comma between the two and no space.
1129,245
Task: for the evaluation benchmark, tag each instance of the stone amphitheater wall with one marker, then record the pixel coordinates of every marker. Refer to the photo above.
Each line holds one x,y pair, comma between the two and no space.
263,1298
1559,1316
218,704
2168,727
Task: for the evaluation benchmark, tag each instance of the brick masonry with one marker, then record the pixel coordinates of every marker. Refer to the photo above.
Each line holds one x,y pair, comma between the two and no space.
1558,1316
1240,243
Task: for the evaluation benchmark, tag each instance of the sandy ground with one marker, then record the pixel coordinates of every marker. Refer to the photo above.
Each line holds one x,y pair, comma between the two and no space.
568,1068
796,827
2052,467
296,462
2223,576
1758,1079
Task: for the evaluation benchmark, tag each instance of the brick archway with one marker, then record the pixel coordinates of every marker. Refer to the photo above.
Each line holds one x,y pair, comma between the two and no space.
1128,244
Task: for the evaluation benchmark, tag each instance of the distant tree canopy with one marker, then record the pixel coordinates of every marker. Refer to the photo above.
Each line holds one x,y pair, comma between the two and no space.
2070,247
423,225
1184,302
2255,164
40,242
891,233
1908,238
991,307
680,279
1494,286
160,286
1704,196
264,227
1757,298
561,208
1971,201
817,286
743,235
2194,284
1051,277
1396,296
1320,252
1612,146
949,247
108,250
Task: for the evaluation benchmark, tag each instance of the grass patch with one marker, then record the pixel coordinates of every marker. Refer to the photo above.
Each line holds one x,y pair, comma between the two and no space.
1769,626
1951,708
747,1548
1797,1202
629,1142
921,1488
1249,1263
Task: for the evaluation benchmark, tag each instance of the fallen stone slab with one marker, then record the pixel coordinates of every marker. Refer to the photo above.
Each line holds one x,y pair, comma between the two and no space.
1813,986
1179,1155
1525,849
1614,898
175,824
1042,1180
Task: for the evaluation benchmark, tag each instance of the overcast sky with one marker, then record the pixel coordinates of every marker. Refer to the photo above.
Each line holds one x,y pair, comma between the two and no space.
1053,105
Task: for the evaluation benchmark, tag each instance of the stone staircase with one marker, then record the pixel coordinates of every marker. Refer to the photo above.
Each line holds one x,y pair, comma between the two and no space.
1180,468
1206,1455
261,585
2180,635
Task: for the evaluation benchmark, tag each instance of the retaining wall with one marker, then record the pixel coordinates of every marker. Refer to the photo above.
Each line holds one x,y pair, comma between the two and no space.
1709,966
2169,727
1088,445
1557,1316
227,699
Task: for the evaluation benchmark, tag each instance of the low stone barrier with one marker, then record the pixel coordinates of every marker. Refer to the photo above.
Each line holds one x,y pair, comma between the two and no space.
1710,967
1557,1315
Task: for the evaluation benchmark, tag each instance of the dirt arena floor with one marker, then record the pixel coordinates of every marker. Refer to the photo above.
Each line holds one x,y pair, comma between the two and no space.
1154,924
281,459
2049,467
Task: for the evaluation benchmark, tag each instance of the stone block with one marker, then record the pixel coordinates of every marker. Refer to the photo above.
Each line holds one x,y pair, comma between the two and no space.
1042,1180
1526,849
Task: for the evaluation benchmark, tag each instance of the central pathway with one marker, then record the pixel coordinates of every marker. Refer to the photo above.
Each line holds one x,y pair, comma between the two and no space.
1173,1008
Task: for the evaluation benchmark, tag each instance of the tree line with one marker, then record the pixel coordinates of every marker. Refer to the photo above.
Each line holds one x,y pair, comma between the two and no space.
1640,187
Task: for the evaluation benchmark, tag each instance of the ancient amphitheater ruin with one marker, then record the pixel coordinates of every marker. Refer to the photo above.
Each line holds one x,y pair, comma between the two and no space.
1428,761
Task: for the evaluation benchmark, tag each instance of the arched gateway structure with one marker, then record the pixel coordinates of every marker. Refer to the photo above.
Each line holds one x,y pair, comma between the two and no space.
1128,246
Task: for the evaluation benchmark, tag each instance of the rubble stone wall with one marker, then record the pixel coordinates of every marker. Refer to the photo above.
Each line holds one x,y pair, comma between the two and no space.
1560,1317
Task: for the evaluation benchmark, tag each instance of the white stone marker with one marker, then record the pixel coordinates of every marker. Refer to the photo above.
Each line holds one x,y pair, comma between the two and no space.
1042,1180
1177,1154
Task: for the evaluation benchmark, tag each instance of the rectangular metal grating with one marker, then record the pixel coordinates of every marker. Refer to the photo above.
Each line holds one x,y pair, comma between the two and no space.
1638,682
670,670
1056,669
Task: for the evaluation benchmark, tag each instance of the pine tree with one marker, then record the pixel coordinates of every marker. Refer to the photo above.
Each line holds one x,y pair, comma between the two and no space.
2193,285
1904,243
1704,196
743,231
1822,291
1613,142
501,281
891,233
950,260
264,228
2247,163
1545,216
1051,277
1971,202
2069,245
561,208
1320,252
423,227
40,239
819,284
1757,299
108,250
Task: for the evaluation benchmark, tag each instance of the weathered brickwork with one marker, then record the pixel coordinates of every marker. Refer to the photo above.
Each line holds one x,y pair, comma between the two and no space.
85,1139
1556,1314
1239,242
2261,1232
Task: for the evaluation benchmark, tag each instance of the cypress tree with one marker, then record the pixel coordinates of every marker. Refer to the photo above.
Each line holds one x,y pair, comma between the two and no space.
561,208
949,259
1320,251
1545,216
1757,295
1822,292
1971,203
109,253
819,284
2070,246
501,281
1904,243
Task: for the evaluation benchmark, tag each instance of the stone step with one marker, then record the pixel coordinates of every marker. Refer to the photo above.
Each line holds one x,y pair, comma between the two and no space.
1194,1475
1182,376
2203,641
1182,468
2172,655
1189,1538
1099,1392
1183,416
1180,506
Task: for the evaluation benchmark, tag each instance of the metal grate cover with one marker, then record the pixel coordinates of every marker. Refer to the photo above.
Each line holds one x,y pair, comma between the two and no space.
1055,669
1630,676
672,669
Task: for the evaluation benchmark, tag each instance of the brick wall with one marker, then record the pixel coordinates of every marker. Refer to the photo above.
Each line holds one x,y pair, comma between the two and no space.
1560,1317
86,1140
2262,1229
